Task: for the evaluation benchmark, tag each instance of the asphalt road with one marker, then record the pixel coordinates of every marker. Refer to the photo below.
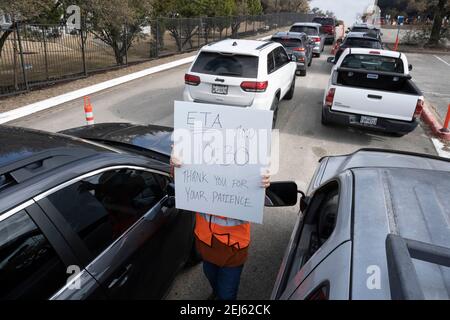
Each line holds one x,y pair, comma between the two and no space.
303,141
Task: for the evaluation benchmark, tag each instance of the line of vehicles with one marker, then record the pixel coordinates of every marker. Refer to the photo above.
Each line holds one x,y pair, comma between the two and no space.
98,200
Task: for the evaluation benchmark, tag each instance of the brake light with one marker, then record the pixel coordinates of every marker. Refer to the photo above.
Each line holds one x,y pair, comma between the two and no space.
419,108
191,80
254,86
299,49
374,52
316,39
330,97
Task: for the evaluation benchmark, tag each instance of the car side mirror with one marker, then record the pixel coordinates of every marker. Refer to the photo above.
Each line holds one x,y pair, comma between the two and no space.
330,60
293,58
347,31
281,194
410,67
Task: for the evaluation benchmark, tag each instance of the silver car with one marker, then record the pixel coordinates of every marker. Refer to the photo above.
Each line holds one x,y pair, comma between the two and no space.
313,32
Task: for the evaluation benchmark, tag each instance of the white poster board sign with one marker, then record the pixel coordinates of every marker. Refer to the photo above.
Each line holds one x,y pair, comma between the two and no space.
223,150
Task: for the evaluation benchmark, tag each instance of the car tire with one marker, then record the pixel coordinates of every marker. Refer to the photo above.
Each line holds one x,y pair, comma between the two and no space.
274,107
302,73
324,119
318,55
291,91
310,61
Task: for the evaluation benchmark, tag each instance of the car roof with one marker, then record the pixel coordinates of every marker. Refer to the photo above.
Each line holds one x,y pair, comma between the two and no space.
362,35
290,35
410,203
365,25
237,46
20,144
307,24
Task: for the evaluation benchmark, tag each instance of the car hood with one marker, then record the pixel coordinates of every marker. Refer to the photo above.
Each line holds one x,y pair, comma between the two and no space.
151,137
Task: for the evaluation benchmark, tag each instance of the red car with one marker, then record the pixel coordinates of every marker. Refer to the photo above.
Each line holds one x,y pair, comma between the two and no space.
328,28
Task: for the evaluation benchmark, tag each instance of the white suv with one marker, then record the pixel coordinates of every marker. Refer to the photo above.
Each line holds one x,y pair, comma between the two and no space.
242,73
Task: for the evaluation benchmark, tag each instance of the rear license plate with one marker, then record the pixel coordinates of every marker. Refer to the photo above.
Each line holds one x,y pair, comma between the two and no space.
368,121
219,89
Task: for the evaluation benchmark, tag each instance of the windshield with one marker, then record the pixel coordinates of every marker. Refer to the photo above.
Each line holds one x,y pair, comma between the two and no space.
310,31
373,63
288,43
362,43
226,65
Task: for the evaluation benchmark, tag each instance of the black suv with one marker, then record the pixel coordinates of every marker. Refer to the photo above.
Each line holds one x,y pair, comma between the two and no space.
358,40
89,214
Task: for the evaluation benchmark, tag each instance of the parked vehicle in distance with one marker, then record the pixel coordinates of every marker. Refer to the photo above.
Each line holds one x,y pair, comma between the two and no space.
242,73
328,28
358,40
313,32
95,204
299,45
372,226
366,28
373,89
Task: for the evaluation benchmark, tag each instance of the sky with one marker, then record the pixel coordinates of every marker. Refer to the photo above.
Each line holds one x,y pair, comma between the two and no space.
346,10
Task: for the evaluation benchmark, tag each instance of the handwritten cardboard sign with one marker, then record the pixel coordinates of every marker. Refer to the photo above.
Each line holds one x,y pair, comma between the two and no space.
224,150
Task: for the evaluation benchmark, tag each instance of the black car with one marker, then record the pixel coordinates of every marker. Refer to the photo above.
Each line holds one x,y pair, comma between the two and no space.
374,225
299,45
366,28
358,40
93,205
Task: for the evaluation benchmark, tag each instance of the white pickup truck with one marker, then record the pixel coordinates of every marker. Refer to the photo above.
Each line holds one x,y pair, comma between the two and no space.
373,89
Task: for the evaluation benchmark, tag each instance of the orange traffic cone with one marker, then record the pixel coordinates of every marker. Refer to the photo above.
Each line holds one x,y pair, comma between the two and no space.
396,43
88,111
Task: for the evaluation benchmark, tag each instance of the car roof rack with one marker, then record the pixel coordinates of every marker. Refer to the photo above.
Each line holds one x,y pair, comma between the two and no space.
403,280
264,45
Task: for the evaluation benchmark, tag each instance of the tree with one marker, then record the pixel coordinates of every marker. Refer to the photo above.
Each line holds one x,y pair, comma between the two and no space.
28,11
439,12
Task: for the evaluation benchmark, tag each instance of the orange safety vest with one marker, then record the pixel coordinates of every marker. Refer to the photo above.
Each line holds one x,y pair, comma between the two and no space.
231,232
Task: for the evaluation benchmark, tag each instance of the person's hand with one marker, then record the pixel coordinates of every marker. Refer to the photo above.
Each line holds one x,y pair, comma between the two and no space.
174,163
265,183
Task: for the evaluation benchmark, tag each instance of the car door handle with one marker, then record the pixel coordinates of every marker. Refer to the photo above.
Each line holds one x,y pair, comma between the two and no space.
372,96
122,278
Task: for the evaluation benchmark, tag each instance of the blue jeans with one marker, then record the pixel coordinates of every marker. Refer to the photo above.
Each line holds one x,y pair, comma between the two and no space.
224,280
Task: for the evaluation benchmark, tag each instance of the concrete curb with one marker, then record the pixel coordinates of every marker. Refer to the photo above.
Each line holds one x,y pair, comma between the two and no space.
429,118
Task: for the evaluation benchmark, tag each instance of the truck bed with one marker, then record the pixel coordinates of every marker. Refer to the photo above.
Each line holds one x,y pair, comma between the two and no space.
376,80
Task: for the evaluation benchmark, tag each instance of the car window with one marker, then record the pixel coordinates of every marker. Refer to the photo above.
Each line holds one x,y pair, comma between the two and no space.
281,57
270,62
103,207
310,31
373,63
231,65
29,266
362,43
289,43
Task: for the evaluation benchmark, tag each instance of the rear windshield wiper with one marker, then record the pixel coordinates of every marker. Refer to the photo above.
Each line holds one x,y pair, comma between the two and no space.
229,74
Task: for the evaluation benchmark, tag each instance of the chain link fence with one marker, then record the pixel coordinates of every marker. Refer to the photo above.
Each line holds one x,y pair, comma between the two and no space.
38,55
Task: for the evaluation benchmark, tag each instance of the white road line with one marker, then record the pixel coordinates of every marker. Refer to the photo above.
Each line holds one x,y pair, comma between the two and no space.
440,148
55,101
440,59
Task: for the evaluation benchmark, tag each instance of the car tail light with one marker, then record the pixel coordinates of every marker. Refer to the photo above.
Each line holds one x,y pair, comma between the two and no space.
301,59
191,79
374,52
299,49
254,86
330,97
316,39
419,108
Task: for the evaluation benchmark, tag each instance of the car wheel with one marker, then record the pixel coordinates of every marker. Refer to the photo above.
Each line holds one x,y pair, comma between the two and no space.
275,104
324,119
318,55
303,73
291,91
310,61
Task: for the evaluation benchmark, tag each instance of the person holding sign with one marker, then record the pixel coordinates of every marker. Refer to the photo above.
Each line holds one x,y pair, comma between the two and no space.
223,244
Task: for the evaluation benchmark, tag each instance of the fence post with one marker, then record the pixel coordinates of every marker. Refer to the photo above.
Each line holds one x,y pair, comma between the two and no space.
44,29
83,48
25,79
157,38
126,44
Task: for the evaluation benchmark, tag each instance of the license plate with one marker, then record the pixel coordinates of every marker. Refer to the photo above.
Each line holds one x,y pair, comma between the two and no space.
219,89
368,121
